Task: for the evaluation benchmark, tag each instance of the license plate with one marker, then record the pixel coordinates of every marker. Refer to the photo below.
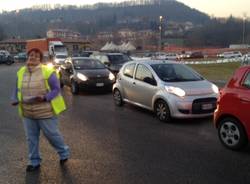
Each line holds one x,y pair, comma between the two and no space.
99,84
207,106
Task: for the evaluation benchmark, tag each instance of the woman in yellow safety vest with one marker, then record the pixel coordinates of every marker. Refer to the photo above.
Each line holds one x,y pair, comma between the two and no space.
39,103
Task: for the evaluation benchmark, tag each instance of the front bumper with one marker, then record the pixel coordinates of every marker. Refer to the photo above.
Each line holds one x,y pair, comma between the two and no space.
96,84
193,106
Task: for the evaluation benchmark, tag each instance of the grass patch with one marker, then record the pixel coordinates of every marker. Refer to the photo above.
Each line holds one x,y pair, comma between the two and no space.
215,72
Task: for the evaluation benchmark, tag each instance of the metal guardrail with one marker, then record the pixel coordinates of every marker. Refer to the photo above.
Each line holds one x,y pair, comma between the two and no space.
231,60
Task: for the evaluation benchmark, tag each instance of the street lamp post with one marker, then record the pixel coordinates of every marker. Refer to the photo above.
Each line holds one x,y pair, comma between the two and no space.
243,31
244,28
160,33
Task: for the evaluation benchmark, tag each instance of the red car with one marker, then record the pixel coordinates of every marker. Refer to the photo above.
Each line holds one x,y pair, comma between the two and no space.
232,116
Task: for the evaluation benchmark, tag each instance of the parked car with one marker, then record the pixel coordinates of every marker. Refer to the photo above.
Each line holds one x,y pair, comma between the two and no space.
231,118
166,56
59,59
85,73
196,55
113,61
228,55
6,59
21,57
246,59
185,55
4,52
170,89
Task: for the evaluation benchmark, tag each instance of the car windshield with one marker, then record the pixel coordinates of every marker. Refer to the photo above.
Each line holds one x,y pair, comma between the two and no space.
22,54
80,64
175,73
118,59
60,48
61,56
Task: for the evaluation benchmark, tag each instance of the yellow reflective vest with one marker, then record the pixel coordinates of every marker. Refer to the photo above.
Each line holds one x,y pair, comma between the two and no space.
58,104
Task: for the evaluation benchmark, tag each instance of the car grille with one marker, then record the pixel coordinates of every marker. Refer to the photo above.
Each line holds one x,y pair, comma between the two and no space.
204,105
98,79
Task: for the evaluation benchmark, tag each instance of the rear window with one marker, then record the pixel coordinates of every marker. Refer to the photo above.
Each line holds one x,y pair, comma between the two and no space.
118,59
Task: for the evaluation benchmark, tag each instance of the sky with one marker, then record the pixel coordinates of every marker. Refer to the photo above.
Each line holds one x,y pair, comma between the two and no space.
216,8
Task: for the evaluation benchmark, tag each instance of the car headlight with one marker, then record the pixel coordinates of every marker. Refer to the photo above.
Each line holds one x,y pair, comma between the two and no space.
81,77
215,89
176,91
111,76
57,61
50,65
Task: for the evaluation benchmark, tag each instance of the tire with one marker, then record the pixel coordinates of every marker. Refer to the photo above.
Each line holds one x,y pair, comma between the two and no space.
162,111
232,134
74,88
117,98
9,62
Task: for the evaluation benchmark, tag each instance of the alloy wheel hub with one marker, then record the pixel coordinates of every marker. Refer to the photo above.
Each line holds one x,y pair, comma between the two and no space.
230,133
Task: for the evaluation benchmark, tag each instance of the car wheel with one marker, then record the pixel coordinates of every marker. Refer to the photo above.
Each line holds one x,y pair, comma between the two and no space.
232,134
162,111
9,62
117,97
74,88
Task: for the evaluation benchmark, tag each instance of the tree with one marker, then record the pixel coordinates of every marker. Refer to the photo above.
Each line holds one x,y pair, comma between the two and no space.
216,33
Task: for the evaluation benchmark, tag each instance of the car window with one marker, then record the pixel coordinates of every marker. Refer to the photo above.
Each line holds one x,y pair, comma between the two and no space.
118,59
175,73
61,56
246,82
142,72
80,64
129,70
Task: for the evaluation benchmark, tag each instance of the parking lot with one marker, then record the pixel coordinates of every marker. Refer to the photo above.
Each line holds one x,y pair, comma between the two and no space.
112,144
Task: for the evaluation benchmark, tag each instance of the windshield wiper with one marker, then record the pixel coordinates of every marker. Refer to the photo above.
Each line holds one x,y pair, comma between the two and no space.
179,80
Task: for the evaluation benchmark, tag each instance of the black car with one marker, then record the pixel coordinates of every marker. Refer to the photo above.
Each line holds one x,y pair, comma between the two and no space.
197,55
113,61
6,59
86,74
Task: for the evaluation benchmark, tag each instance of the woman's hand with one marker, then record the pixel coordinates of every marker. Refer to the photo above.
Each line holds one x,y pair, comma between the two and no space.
40,98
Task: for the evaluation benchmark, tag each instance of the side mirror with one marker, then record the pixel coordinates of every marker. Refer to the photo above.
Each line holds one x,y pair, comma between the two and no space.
150,81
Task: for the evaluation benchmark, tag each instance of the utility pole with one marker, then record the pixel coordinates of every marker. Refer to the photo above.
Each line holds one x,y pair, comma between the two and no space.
244,28
160,33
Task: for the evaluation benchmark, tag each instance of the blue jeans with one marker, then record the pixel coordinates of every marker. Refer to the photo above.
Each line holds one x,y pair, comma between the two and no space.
50,130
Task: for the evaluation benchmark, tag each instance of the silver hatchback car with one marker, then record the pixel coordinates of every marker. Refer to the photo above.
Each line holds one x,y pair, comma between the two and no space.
170,89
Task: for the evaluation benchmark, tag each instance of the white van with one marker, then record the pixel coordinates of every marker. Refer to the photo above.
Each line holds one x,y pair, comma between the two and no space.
232,54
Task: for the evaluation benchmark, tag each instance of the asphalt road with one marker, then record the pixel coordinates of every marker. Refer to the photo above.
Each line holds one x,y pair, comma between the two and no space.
112,145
